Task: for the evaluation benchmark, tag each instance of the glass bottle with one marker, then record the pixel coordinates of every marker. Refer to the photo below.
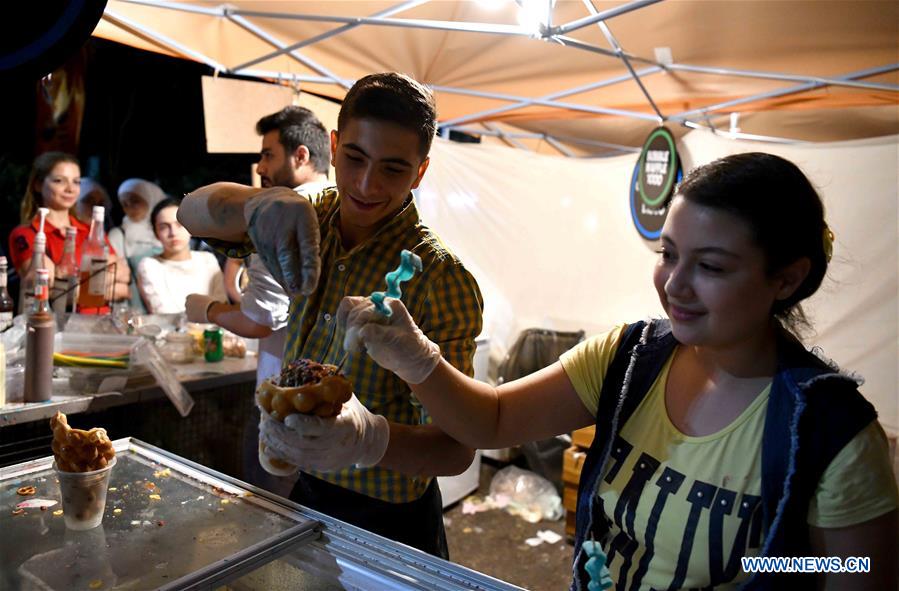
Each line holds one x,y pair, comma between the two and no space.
7,309
41,326
37,263
64,293
94,265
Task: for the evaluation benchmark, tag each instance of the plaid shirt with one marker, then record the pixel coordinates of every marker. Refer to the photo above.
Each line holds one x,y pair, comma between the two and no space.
444,300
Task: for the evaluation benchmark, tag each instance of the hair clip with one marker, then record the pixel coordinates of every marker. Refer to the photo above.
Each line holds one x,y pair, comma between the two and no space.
828,242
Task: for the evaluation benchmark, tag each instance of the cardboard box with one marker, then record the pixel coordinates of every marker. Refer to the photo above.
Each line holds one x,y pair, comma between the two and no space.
572,462
583,437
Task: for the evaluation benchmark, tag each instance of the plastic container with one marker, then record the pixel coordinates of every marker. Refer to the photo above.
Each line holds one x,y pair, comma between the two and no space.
15,384
84,496
102,346
178,348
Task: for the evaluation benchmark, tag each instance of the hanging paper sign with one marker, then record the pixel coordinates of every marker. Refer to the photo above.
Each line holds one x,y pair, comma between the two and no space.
656,174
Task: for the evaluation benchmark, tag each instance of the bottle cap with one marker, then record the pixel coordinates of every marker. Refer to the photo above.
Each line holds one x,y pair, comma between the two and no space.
3,261
71,231
99,213
42,211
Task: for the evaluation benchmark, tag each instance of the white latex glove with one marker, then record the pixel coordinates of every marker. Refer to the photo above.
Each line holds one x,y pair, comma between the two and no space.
354,437
395,343
196,307
284,229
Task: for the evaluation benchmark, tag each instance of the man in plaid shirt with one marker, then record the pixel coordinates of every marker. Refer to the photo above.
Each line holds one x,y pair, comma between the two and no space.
373,465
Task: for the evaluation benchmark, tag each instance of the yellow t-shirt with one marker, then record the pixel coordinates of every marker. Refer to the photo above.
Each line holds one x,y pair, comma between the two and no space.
684,509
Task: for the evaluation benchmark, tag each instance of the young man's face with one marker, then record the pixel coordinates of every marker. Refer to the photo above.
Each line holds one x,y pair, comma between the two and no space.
376,164
275,164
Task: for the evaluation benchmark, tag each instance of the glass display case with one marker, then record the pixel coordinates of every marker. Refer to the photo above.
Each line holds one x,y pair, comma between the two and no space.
173,524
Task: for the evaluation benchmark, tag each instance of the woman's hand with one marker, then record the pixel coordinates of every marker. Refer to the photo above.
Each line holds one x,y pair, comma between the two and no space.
394,342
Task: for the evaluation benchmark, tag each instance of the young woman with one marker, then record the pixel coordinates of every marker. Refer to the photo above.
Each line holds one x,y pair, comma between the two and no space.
55,183
165,280
718,435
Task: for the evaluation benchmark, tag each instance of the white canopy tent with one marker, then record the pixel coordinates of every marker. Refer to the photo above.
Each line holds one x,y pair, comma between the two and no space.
564,76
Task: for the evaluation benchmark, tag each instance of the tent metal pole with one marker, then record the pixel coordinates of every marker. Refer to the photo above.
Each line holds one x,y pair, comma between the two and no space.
265,36
598,143
292,77
549,97
782,92
778,76
601,16
321,37
739,135
218,11
545,103
607,32
493,29
572,42
125,23
559,146
509,139
562,138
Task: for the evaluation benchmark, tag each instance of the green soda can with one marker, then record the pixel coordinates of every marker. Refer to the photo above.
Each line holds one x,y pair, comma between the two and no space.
212,344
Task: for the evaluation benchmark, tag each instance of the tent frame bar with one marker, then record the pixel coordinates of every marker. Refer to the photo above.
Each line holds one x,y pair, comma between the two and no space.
328,34
599,17
550,97
161,40
547,32
536,135
545,103
778,76
783,92
265,36
619,52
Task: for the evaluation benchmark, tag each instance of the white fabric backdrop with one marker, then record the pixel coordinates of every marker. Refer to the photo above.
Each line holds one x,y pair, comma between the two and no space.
552,245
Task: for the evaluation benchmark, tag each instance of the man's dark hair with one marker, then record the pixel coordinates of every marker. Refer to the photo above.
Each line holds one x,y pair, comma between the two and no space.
298,126
396,98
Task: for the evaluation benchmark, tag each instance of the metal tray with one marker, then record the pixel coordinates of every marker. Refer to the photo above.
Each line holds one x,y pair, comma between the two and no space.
168,524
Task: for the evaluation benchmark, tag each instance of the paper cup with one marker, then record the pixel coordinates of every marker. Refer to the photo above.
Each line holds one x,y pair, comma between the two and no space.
83,496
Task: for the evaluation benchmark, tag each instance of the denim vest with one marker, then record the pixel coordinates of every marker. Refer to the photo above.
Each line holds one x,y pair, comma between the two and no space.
813,412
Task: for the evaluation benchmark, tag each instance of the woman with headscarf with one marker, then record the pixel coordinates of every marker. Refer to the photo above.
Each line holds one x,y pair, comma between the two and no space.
135,238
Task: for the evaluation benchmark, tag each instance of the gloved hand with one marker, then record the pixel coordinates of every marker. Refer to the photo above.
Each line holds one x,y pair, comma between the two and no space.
395,343
197,307
353,437
284,229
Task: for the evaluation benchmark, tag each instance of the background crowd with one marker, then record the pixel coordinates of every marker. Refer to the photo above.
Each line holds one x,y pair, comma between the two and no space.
157,263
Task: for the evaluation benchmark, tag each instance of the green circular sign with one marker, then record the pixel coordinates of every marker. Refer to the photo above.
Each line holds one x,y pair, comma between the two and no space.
657,167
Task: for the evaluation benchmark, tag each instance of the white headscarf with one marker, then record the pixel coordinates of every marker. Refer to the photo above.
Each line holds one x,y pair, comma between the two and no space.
150,192
138,238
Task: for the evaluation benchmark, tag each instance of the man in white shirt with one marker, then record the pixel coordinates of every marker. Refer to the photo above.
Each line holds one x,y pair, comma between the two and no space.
295,153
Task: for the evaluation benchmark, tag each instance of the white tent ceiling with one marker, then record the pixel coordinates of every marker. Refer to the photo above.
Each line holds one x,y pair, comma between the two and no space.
571,77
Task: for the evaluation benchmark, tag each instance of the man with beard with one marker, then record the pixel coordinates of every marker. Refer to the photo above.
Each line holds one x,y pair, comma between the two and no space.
294,154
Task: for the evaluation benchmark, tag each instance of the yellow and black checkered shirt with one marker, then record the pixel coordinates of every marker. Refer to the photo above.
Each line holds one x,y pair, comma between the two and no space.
444,300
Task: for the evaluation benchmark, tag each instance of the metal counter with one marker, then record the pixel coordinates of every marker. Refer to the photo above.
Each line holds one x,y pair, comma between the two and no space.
173,524
194,376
